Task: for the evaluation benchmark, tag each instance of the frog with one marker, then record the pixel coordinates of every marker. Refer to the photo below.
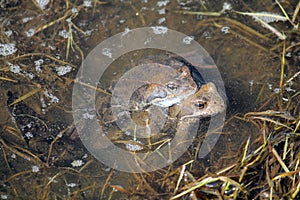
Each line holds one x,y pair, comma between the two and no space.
181,96
206,102
165,94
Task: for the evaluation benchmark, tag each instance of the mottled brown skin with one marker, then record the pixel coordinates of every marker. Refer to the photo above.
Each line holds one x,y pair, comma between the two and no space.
165,94
204,103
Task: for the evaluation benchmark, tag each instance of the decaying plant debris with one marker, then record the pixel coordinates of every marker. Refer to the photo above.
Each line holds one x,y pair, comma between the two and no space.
41,157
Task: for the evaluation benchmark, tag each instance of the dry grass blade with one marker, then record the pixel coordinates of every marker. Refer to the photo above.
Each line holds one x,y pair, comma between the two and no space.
296,12
271,113
272,29
272,121
215,14
106,183
265,16
8,79
24,153
29,94
283,175
196,186
44,55
297,190
280,160
282,9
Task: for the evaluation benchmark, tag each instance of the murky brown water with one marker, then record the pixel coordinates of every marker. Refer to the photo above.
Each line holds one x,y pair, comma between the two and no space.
36,132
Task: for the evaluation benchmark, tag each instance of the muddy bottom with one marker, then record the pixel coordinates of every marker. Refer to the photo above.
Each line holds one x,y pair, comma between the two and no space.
43,45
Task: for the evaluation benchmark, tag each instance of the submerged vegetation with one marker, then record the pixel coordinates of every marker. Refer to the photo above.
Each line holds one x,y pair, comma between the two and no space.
42,45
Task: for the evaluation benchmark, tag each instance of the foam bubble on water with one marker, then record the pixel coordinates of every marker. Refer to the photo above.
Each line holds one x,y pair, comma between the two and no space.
62,70
38,64
30,32
107,52
88,116
14,68
63,33
35,169
187,39
159,30
134,147
29,75
87,3
226,6
42,3
162,11
162,3
74,10
225,29
8,33
161,20
71,185
7,49
53,99
26,19
77,163
126,31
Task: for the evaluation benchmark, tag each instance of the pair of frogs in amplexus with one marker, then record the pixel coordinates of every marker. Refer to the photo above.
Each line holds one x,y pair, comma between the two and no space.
180,94
187,95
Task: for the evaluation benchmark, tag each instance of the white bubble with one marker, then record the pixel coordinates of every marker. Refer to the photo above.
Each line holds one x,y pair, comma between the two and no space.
71,185
7,49
187,39
63,33
62,70
226,6
74,10
42,3
38,64
277,90
77,163
8,33
159,30
14,68
87,3
161,20
88,116
35,169
126,31
225,29
26,19
29,75
134,147
162,3
162,11
30,32
53,99
107,52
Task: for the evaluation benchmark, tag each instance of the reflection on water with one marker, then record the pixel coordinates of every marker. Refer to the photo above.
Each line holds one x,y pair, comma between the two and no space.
39,143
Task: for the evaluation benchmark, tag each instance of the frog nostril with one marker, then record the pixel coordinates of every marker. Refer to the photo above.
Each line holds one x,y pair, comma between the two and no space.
172,86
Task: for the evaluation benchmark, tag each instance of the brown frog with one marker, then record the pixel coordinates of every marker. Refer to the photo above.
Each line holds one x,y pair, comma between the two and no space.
163,90
206,102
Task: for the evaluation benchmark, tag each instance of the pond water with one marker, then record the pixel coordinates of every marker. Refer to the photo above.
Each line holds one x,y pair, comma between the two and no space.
42,155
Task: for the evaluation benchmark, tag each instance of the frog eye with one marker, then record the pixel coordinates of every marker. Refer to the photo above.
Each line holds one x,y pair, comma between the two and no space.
200,104
172,86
